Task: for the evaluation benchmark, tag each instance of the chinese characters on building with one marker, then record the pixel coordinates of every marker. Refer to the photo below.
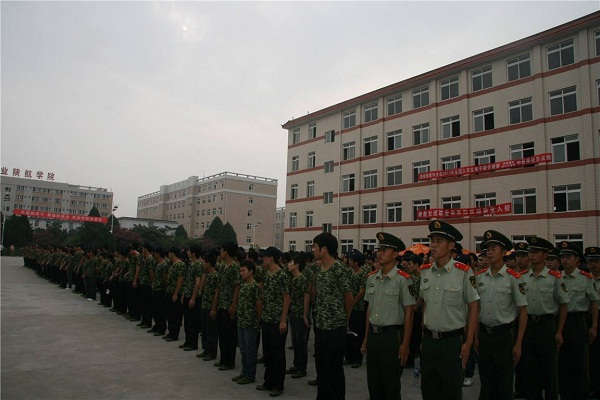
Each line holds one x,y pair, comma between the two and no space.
28,173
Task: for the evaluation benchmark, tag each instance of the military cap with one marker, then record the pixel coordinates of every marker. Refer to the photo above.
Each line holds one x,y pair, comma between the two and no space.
356,255
521,247
592,252
537,243
568,248
389,240
458,248
554,253
491,236
441,228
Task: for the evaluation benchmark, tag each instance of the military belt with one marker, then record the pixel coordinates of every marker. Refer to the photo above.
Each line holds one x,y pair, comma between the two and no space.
540,318
442,335
490,330
377,329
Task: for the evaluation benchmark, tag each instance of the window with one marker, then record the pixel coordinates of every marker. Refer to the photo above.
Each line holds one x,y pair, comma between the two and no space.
521,150
485,200
250,200
420,97
563,101
520,111
523,201
330,136
598,89
450,127
347,215
328,165
394,212
312,130
293,219
449,88
483,119
419,167
310,189
309,218
561,54
348,183
348,151
420,205
295,135
370,112
482,78
347,245
394,175
394,140
368,245
421,133
312,160
598,43
565,148
576,238
328,197
249,213
370,145
370,214
450,162
567,198
308,245
292,245
394,104
370,179
484,157
451,202
295,163
293,192
518,67
326,228
248,227
349,119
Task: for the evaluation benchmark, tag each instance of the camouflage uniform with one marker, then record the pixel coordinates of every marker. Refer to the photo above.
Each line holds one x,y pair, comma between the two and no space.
247,321
299,287
176,271
229,279
209,325
191,316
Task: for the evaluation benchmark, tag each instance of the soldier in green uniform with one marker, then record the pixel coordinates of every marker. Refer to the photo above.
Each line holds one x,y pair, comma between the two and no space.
160,302
210,335
592,258
191,287
298,316
145,288
447,288
333,304
553,259
522,266
248,317
173,291
503,300
131,278
389,320
356,324
572,358
89,275
547,299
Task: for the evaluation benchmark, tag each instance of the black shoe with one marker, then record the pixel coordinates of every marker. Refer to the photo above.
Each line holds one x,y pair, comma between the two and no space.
291,370
226,367
299,374
276,392
181,346
312,382
171,339
209,358
159,333
151,330
203,354
189,348
263,388
217,364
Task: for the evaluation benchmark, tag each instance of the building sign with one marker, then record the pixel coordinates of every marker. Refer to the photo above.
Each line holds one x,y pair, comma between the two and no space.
476,169
62,217
505,208
27,173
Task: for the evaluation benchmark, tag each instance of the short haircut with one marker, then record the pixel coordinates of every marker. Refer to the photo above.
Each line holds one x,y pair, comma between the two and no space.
327,240
231,249
248,265
299,259
196,249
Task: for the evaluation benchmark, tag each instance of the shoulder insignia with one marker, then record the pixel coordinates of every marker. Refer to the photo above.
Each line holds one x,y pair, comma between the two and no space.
555,273
404,274
461,266
513,273
425,266
586,274
481,271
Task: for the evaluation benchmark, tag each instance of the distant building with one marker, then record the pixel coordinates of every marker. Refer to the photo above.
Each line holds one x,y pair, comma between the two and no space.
132,222
279,227
247,202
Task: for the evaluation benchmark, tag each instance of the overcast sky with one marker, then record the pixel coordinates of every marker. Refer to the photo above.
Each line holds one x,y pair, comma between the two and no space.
130,96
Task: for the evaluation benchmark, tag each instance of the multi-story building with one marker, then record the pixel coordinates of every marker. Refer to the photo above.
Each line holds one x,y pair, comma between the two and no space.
132,222
247,202
360,166
279,227
60,199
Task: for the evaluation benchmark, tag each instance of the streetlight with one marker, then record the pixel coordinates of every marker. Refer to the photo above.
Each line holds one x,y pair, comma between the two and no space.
112,218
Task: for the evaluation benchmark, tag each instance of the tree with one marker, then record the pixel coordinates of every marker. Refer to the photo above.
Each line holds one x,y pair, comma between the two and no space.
17,231
228,234
53,235
112,222
215,230
93,235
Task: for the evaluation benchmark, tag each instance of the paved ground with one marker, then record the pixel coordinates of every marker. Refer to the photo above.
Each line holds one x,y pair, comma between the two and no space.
57,345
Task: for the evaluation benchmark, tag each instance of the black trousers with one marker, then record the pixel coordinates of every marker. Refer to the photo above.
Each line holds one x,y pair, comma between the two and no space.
520,372
159,310
441,367
210,333
572,360
273,343
329,358
496,364
540,363
384,369
227,337
299,341
90,284
175,315
355,337
191,323
146,304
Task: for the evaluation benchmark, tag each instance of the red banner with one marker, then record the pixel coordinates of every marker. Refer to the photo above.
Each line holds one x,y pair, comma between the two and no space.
62,217
505,208
476,169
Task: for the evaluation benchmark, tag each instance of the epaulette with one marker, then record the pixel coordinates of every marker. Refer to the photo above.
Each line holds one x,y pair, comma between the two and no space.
404,274
513,273
555,273
481,271
425,266
585,273
461,266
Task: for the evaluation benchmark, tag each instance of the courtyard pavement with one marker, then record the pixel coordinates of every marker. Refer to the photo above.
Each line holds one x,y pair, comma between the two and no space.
58,345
